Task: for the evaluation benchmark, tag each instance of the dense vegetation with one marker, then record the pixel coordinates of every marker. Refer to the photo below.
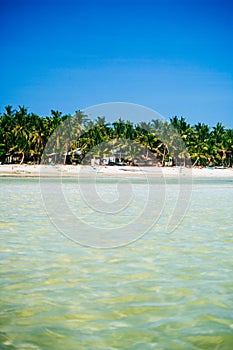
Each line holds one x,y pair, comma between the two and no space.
24,135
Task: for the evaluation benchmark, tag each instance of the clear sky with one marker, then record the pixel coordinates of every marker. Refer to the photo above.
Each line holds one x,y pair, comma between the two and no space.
175,57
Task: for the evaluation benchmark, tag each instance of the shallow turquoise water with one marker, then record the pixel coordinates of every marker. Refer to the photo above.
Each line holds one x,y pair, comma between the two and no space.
164,291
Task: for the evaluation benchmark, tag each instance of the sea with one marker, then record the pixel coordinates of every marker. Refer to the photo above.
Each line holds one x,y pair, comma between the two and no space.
62,286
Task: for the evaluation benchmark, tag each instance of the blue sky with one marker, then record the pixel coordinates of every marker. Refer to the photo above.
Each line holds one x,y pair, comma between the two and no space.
175,57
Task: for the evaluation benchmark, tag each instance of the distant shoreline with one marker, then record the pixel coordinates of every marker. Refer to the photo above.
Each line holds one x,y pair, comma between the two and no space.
24,170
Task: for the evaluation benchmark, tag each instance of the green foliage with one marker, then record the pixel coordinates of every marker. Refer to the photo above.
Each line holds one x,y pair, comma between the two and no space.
24,135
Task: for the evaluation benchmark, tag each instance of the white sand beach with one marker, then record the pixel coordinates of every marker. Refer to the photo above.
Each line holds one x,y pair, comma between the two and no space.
17,170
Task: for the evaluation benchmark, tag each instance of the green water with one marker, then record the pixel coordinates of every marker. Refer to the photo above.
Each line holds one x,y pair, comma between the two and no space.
164,291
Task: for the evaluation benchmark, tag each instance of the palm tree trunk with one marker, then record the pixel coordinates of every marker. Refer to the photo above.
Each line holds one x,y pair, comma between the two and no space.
23,156
64,162
194,164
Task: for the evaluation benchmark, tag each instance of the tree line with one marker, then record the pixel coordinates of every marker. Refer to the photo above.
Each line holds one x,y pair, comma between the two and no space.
25,136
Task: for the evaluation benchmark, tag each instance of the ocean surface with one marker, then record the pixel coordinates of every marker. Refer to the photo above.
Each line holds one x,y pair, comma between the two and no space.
165,290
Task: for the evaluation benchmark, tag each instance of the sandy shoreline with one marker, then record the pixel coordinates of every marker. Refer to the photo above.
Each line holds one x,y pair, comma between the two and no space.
17,170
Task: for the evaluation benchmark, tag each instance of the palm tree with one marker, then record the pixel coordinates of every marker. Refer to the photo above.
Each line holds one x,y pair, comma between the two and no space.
27,135
38,137
183,132
199,147
56,120
119,129
21,132
146,137
228,144
7,137
217,137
